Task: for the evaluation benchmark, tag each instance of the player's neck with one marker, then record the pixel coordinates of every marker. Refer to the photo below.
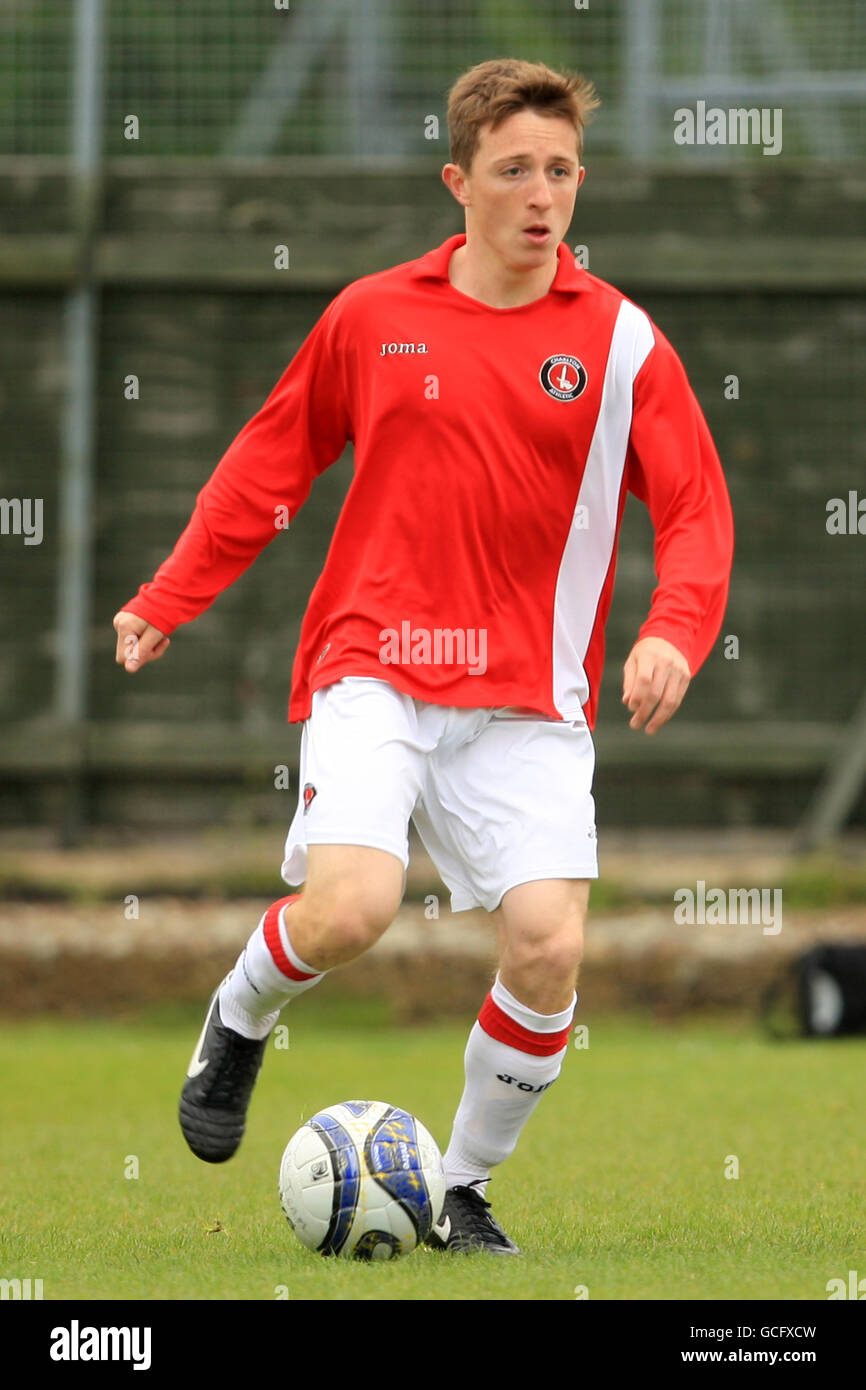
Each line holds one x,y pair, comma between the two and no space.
487,279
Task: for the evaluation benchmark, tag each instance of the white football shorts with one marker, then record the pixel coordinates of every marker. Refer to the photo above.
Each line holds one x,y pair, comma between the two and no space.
498,796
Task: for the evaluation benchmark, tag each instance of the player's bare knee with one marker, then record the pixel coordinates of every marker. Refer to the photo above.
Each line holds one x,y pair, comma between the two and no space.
553,955
335,928
563,953
354,886
352,931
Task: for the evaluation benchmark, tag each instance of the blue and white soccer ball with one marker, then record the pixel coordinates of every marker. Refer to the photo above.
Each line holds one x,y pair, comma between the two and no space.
363,1180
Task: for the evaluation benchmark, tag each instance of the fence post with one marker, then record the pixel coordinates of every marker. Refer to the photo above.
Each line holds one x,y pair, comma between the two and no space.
78,424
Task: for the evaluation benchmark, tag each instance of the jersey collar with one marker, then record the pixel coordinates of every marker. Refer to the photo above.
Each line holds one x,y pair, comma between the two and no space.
570,278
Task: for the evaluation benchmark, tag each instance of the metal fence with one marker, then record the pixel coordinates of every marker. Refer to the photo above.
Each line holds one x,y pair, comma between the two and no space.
359,77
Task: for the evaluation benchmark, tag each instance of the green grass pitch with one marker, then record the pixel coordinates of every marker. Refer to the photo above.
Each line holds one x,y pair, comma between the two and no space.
618,1185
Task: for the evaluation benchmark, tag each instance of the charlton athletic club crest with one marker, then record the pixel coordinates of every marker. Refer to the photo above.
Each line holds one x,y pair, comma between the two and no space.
309,793
563,377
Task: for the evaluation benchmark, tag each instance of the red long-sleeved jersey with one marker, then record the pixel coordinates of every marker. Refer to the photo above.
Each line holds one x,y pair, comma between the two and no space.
472,563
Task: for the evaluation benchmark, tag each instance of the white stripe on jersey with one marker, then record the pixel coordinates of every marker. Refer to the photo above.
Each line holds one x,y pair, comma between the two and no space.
587,553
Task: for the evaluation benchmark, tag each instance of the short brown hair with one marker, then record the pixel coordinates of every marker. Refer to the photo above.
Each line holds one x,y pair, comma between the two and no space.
491,92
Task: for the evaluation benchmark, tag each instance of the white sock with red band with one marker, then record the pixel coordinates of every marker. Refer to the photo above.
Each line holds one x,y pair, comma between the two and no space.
512,1057
267,975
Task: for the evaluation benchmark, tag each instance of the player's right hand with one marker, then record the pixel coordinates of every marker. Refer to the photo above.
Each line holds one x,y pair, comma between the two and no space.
137,641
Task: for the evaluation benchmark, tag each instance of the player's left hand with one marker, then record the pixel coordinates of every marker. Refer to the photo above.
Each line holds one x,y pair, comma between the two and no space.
655,678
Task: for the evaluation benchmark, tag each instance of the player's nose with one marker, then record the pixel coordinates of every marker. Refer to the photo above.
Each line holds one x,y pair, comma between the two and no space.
538,193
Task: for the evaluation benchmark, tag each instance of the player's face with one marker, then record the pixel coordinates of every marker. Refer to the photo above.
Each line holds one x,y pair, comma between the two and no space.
522,185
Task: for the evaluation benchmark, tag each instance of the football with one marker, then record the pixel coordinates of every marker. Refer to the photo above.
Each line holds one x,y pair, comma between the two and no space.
362,1180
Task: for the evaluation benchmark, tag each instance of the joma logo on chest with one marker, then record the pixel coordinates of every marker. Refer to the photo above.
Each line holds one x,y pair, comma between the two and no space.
392,349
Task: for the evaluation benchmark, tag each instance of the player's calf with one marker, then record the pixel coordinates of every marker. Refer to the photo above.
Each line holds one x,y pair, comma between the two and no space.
513,1057
229,1053
350,897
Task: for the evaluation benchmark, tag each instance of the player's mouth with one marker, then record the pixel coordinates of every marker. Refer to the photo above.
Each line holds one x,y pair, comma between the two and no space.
538,233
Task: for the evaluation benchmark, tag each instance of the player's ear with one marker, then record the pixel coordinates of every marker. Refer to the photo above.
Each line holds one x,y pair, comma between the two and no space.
581,173
455,180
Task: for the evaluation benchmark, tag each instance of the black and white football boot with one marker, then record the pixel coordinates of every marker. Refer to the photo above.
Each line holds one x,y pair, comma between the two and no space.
466,1226
219,1082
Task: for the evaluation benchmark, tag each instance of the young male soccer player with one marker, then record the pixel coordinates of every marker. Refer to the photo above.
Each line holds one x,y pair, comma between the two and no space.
502,401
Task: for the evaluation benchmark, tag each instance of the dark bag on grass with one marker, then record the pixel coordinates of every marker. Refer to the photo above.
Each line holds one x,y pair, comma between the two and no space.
829,987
